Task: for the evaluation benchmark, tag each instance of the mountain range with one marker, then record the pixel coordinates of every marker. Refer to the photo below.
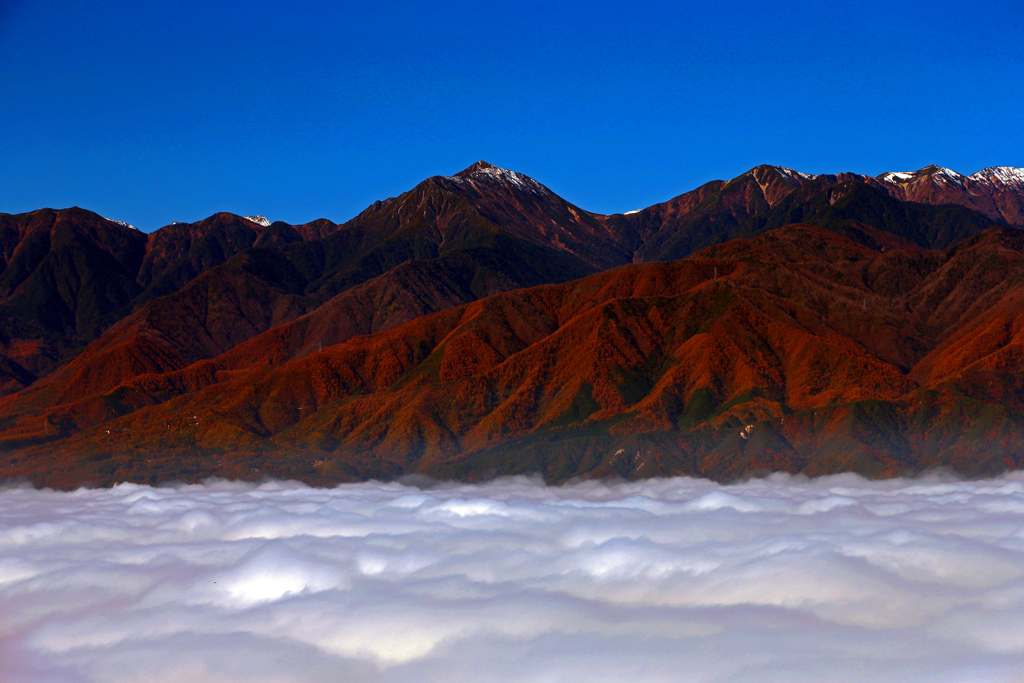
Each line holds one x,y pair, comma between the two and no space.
479,324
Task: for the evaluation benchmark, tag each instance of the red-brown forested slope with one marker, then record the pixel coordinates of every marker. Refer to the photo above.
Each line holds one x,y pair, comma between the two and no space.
808,353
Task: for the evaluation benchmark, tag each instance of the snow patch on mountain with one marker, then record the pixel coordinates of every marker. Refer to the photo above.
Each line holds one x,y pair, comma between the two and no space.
896,177
258,220
630,213
949,175
792,174
121,223
520,181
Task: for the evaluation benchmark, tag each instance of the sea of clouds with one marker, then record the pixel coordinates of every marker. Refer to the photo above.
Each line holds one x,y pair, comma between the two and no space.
779,579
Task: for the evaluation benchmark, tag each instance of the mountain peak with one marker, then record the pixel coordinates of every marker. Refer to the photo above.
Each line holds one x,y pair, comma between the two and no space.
939,172
479,167
763,171
482,170
258,220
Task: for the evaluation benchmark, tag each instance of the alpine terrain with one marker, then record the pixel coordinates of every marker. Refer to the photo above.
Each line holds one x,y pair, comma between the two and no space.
479,324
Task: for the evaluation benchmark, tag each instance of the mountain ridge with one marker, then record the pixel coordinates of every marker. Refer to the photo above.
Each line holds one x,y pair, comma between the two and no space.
232,297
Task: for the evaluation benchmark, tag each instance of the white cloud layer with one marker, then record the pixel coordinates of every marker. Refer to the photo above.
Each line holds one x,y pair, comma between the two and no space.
785,579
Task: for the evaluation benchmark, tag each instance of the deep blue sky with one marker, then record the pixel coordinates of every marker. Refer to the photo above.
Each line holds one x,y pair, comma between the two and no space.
173,110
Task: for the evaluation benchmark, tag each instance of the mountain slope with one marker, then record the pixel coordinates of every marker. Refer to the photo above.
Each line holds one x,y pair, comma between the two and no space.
835,355
64,275
237,316
465,255
178,253
67,275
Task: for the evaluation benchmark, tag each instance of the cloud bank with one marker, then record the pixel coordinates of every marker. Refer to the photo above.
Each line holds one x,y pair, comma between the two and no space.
784,579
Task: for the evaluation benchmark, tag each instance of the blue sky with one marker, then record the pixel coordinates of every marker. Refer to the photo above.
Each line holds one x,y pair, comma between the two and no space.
173,110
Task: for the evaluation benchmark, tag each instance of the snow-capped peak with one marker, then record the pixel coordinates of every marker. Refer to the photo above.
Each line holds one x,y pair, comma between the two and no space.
258,220
936,173
1000,175
482,169
122,223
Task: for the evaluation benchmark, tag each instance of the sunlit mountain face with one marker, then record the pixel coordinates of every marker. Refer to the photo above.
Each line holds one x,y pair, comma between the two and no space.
480,325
